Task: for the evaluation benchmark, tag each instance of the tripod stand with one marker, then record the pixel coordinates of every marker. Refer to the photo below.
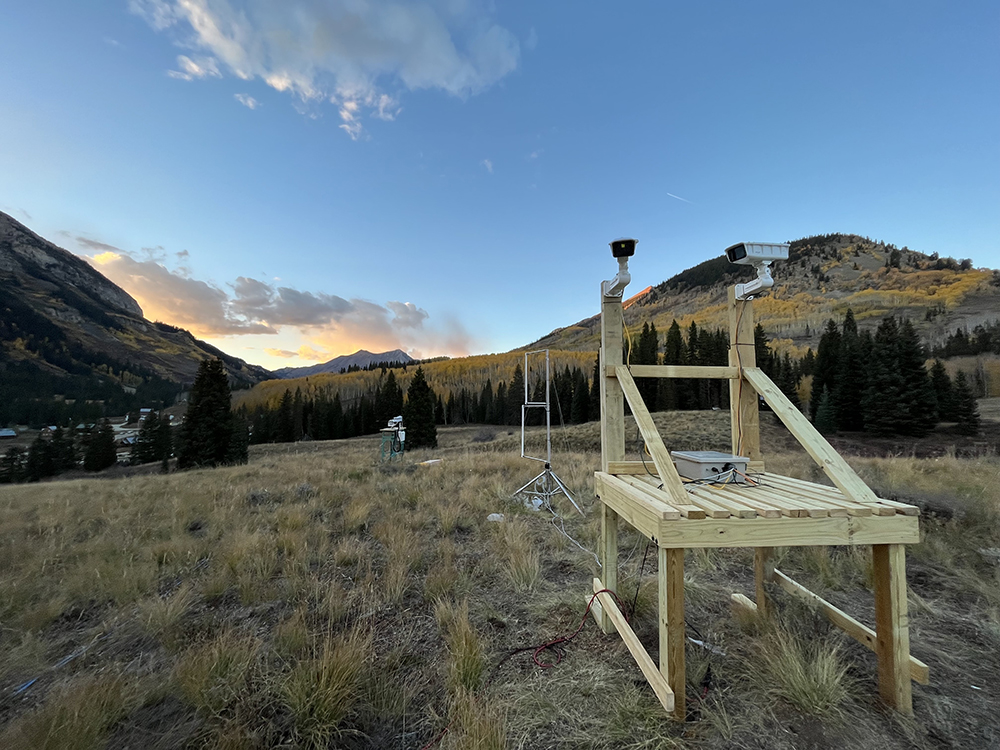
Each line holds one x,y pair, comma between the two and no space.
546,485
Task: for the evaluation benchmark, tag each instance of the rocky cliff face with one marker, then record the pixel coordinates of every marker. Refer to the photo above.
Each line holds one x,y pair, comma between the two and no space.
24,253
61,315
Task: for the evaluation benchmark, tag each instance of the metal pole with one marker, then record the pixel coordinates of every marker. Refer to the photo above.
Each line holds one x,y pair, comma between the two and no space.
548,412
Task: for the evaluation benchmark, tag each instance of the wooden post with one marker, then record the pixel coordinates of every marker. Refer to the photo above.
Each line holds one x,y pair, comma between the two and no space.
892,626
612,438
744,416
672,636
763,570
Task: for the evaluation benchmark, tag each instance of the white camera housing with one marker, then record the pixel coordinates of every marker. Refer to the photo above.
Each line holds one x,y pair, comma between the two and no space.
760,255
753,253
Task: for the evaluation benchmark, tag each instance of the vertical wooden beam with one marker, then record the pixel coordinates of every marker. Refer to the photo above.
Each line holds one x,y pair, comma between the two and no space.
892,626
671,605
612,438
743,412
763,570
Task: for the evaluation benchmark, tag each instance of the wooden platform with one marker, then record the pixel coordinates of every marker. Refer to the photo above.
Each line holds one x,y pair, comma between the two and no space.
768,510
779,511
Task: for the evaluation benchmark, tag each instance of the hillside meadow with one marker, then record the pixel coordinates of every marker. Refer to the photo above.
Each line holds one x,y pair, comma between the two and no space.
315,598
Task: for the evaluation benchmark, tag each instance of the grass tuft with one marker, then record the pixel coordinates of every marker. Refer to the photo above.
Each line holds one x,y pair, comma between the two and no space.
213,676
77,715
321,692
809,675
466,660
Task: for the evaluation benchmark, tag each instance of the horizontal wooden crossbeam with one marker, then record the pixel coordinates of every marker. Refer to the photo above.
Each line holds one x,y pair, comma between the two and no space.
919,672
680,371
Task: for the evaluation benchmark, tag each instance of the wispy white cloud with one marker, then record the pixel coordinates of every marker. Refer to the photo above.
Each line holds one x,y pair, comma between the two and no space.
407,315
347,52
201,67
677,197
488,164
536,153
247,101
159,14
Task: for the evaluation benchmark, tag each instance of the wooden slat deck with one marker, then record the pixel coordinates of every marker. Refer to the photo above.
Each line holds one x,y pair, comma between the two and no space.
779,511
776,495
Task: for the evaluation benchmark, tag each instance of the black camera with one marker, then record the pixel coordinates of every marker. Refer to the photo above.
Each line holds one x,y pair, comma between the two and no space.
623,248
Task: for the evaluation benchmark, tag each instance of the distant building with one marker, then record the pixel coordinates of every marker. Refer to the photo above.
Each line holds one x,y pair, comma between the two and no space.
6,432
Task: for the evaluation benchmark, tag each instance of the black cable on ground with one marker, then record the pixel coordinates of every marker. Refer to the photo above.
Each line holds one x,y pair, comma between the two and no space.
556,646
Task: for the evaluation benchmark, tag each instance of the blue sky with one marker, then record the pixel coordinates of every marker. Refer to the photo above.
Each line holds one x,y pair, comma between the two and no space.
297,180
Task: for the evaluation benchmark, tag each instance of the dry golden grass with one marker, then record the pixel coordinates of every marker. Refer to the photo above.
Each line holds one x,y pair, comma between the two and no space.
78,714
314,596
320,692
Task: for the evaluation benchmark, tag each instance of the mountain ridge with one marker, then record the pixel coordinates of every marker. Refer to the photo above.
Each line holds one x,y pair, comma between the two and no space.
824,275
362,358
62,317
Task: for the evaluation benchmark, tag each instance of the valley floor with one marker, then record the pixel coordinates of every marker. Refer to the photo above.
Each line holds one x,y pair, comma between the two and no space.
317,598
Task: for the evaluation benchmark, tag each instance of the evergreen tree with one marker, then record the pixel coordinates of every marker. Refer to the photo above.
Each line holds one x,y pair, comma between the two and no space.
882,397
40,461
164,444
146,446
788,379
807,366
580,410
762,351
693,358
826,368
484,410
418,413
648,354
208,428
12,466
101,451
515,397
825,421
918,402
239,441
595,391
943,391
674,393
285,425
966,412
298,416
850,380
389,400
500,404
63,451
336,419
563,387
